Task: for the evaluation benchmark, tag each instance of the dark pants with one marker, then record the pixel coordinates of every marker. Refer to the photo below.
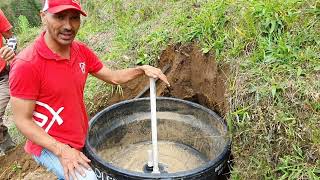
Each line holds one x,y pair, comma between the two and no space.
4,99
3,133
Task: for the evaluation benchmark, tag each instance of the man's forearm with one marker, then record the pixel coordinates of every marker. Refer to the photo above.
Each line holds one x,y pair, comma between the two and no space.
118,76
37,135
125,75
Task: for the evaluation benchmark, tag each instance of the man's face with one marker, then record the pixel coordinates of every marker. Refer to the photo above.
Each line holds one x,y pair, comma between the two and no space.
63,26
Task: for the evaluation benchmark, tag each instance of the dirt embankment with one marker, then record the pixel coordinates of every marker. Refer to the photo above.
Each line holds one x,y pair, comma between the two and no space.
192,75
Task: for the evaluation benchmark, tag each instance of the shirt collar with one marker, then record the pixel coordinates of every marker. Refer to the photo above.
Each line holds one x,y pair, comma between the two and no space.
47,53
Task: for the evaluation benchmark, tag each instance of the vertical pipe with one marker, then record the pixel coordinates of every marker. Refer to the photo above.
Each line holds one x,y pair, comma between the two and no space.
154,125
150,158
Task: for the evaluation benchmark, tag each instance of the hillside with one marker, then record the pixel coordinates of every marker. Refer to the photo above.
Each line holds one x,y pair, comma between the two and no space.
268,50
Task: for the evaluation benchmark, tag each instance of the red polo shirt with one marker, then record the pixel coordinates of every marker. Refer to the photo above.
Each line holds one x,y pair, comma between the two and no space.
57,86
4,26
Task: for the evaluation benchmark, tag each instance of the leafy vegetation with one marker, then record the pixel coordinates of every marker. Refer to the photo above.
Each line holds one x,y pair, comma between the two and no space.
28,8
272,48
27,33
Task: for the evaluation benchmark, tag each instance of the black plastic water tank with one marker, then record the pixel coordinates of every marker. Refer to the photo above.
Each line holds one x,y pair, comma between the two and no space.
179,121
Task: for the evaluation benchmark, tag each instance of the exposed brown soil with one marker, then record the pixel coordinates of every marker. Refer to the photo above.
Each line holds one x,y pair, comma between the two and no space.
18,165
192,75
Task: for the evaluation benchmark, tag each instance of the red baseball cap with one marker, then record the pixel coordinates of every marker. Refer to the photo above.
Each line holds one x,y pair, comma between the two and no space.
56,6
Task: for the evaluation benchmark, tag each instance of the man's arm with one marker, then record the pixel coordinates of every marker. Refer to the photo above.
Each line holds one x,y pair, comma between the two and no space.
125,75
23,119
70,158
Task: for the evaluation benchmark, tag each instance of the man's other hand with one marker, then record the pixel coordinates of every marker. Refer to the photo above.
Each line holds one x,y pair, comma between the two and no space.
155,73
7,53
73,160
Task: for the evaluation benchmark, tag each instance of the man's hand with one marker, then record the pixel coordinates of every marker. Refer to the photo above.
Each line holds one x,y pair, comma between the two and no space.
154,73
71,160
7,53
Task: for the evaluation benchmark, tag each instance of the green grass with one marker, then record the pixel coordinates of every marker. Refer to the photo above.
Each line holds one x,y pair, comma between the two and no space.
272,48
16,135
26,33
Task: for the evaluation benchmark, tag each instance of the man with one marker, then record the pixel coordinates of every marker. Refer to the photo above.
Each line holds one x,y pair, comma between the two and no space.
47,81
6,55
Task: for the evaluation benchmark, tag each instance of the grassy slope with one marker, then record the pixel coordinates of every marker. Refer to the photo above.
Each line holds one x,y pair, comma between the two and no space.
272,47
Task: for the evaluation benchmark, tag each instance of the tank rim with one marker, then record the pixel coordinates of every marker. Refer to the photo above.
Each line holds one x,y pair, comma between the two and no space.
194,172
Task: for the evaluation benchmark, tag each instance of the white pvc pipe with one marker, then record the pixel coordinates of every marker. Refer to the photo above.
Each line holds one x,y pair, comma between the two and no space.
154,125
150,157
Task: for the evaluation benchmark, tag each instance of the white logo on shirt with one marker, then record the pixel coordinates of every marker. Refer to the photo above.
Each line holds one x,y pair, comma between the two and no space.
83,67
55,116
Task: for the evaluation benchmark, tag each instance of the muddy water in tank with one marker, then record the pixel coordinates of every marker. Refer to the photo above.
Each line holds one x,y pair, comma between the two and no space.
185,143
174,157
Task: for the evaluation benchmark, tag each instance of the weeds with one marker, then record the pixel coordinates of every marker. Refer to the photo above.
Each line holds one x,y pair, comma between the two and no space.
16,167
294,166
